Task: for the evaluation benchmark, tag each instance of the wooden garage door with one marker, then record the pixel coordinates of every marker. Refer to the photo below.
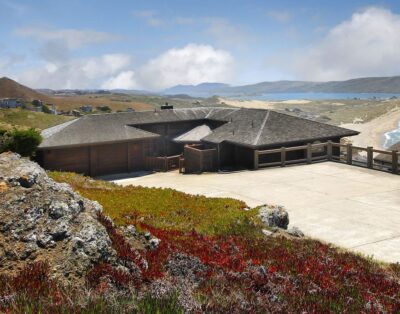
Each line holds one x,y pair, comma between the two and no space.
111,158
71,159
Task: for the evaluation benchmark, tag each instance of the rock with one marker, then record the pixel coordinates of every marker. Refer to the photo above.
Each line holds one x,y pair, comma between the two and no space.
154,243
60,231
274,216
45,220
267,232
57,209
45,241
27,181
296,232
187,267
3,186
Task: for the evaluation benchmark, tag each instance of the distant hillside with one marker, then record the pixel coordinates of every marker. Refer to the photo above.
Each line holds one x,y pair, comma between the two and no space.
70,99
359,85
201,90
12,89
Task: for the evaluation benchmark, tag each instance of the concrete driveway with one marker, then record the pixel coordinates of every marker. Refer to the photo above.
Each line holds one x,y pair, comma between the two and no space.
352,207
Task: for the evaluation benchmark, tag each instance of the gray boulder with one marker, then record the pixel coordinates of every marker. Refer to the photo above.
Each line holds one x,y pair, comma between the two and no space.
274,216
41,219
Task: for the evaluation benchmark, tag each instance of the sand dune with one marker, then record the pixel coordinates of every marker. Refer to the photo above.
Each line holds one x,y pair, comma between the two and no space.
261,104
372,132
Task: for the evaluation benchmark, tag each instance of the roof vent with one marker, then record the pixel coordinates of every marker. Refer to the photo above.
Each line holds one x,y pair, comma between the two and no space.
166,106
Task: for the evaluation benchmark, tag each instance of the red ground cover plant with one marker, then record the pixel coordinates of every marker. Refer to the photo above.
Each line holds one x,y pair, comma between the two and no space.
31,290
274,274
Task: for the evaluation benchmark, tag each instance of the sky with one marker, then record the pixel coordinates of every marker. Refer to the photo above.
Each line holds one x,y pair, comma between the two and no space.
155,44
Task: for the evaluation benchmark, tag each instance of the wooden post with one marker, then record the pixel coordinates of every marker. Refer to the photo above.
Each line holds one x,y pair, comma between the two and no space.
329,150
349,154
309,153
395,161
283,157
370,157
255,159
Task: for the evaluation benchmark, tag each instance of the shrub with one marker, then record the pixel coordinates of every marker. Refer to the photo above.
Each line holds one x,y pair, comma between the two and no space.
23,142
46,109
104,108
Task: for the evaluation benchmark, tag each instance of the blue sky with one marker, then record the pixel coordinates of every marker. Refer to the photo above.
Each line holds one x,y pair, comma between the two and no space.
157,44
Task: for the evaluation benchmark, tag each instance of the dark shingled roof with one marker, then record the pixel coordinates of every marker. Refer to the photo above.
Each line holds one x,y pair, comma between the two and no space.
248,127
194,135
386,157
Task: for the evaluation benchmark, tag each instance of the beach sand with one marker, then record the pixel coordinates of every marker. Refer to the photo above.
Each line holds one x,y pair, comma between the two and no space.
261,104
372,132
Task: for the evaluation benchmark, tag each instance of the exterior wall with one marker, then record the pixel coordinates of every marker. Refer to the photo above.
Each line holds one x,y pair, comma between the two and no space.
200,160
69,159
106,159
234,156
99,159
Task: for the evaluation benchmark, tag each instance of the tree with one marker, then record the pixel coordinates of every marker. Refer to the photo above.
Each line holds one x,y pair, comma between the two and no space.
23,142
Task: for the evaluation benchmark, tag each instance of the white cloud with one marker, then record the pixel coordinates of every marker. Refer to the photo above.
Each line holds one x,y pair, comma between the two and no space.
71,38
79,74
279,16
105,65
124,80
366,45
192,64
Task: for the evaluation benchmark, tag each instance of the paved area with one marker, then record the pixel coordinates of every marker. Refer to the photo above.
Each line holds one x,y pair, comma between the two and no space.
352,207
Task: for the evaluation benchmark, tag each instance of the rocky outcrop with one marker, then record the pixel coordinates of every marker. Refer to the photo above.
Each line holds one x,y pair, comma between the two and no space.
42,220
276,218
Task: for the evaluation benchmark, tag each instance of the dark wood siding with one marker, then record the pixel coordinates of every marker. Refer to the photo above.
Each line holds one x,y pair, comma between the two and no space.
136,156
99,159
70,159
107,159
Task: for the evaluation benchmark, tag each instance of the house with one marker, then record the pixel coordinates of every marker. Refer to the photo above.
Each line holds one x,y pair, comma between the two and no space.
222,138
9,103
387,159
86,108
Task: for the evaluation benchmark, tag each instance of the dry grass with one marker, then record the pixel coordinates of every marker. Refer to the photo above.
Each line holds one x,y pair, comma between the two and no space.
29,119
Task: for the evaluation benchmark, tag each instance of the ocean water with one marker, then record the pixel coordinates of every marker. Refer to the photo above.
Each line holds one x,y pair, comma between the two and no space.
320,96
392,137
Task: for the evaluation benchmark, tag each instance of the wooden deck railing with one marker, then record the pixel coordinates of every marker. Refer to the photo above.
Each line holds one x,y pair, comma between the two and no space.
343,153
162,163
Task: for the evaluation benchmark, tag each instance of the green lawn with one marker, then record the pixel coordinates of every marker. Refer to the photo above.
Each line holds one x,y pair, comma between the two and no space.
166,208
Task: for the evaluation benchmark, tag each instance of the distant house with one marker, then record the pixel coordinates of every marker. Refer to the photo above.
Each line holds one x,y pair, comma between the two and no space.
222,138
37,103
9,103
86,109
387,159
